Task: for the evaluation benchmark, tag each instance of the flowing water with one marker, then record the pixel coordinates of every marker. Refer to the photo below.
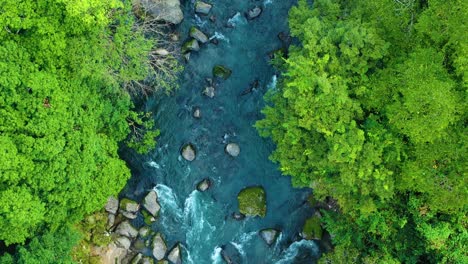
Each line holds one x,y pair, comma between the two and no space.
202,221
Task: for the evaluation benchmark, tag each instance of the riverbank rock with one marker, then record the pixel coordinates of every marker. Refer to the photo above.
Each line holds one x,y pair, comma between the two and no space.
197,113
204,185
129,208
188,152
254,13
112,205
146,260
202,8
126,229
191,45
269,235
209,91
198,35
174,255
252,201
312,228
159,247
151,203
163,10
221,71
123,242
232,149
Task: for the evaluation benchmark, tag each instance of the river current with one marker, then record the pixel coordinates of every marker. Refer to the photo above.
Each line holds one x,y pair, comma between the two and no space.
202,221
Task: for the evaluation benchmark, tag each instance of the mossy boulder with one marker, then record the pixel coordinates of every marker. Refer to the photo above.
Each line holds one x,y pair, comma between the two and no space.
191,45
252,201
221,72
312,228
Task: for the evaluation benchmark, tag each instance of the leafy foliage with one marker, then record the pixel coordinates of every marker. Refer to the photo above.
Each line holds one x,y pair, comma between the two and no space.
371,111
63,112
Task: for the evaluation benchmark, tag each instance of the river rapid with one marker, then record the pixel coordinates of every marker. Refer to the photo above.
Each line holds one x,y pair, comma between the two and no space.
202,221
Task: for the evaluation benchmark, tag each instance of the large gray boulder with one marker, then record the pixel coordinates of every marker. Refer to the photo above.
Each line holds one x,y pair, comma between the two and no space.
123,242
159,247
164,10
198,35
174,255
202,8
232,149
151,203
112,205
126,229
269,235
129,208
188,152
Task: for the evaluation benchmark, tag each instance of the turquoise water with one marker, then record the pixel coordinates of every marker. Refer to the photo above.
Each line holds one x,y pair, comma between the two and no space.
202,222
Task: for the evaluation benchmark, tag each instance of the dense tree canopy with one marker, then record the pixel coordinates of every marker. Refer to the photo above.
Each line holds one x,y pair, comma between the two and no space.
63,110
371,111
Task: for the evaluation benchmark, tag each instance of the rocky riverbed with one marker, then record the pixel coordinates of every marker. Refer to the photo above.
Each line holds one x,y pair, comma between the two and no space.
209,193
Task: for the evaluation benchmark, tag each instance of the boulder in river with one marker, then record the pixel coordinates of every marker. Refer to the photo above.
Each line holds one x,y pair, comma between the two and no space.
196,112
112,205
209,91
174,255
163,10
129,208
269,235
151,203
254,12
202,8
204,185
159,247
188,152
191,45
221,71
312,228
198,35
126,229
238,216
232,149
252,201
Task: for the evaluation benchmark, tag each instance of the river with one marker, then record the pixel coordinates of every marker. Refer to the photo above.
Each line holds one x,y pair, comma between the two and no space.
201,221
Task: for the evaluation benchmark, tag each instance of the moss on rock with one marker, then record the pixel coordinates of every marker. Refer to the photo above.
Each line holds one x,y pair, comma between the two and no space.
221,72
252,201
312,228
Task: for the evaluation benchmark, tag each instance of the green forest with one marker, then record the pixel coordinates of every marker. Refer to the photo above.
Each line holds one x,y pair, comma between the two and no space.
65,72
371,111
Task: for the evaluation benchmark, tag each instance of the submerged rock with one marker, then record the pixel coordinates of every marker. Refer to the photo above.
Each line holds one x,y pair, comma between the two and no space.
232,149
202,8
126,229
254,12
269,235
112,205
204,185
221,71
174,255
238,216
129,208
191,45
164,10
198,35
159,247
252,201
188,152
209,91
151,203
312,228
196,112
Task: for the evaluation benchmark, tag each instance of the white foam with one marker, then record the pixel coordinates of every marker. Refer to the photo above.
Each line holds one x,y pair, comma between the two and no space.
291,252
219,36
153,164
237,19
216,257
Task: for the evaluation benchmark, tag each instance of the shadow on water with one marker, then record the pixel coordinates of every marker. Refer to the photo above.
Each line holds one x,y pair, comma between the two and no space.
202,222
